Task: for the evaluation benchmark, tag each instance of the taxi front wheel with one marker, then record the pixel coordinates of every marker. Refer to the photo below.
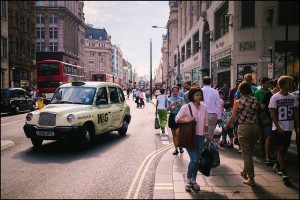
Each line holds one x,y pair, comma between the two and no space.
85,137
36,142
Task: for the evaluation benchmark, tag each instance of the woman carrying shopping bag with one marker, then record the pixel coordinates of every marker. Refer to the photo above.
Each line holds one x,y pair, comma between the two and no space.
200,113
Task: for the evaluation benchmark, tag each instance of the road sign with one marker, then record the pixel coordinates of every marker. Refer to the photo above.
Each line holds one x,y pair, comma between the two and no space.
270,70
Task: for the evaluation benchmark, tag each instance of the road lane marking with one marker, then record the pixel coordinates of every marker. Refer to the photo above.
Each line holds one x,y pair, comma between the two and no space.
150,158
13,122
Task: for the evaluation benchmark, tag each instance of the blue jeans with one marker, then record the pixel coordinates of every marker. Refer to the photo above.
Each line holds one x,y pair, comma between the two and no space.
195,157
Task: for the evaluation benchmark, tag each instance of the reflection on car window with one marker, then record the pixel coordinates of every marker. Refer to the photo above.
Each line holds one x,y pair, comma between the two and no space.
113,94
102,95
74,95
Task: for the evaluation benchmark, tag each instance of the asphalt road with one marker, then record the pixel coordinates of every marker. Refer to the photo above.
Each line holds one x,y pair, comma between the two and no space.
113,168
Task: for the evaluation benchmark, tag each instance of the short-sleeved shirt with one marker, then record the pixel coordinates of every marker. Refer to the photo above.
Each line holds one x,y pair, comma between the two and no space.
162,98
226,116
253,88
259,95
172,99
285,110
200,116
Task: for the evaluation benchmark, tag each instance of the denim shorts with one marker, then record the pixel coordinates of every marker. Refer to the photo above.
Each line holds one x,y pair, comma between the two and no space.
229,132
267,130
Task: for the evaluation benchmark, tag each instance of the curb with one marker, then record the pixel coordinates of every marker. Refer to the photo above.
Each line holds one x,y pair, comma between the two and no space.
6,144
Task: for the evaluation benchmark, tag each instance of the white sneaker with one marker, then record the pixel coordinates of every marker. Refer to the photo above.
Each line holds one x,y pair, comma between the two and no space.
195,185
188,185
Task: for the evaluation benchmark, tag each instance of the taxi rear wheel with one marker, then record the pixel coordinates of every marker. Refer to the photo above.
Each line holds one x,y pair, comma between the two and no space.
36,142
123,130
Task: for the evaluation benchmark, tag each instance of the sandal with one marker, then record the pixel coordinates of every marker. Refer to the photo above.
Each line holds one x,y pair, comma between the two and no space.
244,175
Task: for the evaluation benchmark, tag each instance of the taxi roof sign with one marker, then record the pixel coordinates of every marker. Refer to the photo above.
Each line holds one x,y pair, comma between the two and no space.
77,83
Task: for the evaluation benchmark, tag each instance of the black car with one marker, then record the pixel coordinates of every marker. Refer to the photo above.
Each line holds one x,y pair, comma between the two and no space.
14,100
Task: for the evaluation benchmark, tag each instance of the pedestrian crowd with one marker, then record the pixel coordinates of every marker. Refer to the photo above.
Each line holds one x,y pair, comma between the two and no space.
249,115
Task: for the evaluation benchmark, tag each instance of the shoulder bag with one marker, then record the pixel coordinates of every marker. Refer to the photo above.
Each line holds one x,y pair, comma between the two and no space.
187,133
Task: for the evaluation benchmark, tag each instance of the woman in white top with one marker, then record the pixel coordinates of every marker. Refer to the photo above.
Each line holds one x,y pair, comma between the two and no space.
161,109
200,115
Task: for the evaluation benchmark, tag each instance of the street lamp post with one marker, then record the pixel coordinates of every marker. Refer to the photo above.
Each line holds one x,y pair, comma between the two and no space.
168,53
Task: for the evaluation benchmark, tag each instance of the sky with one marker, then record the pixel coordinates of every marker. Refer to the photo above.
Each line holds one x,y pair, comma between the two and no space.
129,23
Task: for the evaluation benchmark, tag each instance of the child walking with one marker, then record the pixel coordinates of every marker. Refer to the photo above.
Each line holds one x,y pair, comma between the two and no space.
226,114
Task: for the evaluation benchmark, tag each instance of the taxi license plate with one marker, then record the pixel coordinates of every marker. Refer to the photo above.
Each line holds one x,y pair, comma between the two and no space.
45,133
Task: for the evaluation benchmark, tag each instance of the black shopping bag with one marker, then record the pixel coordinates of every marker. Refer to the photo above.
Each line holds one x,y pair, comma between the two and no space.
206,160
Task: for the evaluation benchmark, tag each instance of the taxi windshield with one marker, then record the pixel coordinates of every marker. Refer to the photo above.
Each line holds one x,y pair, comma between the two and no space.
74,95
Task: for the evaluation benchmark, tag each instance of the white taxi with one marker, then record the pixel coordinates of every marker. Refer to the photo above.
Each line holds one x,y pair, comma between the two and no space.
79,110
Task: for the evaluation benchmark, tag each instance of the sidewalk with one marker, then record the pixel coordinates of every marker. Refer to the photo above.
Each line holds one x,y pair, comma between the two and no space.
225,181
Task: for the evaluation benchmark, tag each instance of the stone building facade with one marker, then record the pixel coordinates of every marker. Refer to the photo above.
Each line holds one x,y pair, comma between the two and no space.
60,31
4,46
227,39
98,52
21,39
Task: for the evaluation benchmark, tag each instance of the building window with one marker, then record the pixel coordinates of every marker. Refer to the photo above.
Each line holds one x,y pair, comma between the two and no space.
248,13
40,33
288,12
188,49
53,3
52,32
40,18
53,46
39,3
183,54
40,46
92,53
196,43
221,24
3,9
3,47
52,18
90,36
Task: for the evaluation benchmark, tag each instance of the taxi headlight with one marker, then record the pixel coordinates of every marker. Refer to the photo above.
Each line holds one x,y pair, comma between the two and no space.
71,118
29,116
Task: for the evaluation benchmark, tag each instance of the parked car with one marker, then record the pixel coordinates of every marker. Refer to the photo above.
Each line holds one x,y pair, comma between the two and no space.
14,100
80,111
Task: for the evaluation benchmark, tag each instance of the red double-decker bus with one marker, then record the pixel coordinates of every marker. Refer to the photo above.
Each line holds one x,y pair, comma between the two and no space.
51,73
102,77
117,80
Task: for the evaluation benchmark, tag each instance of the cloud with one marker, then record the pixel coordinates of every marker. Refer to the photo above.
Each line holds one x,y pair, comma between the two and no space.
130,25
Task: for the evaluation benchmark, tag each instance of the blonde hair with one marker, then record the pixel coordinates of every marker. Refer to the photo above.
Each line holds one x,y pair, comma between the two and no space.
283,79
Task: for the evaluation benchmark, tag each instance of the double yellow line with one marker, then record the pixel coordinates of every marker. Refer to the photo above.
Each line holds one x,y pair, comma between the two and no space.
149,158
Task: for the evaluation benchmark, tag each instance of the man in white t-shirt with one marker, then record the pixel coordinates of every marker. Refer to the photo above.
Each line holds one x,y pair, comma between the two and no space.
285,115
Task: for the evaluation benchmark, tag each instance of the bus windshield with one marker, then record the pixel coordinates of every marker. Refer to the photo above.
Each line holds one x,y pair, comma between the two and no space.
99,77
48,69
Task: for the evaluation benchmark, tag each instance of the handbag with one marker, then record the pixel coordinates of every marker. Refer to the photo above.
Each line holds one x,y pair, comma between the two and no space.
187,133
156,122
206,160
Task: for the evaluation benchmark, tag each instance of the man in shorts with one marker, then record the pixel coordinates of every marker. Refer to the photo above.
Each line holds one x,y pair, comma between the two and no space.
285,114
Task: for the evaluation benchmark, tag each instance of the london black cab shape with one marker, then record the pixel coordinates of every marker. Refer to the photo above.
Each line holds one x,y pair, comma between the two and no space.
14,100
80,110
